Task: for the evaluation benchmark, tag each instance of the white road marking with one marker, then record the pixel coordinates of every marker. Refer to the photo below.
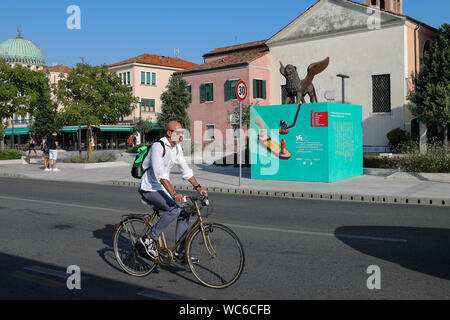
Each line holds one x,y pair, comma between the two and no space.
230,225
311,233
50,272
64,204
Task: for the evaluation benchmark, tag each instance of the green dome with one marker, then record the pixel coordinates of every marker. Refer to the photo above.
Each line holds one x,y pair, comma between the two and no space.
20,50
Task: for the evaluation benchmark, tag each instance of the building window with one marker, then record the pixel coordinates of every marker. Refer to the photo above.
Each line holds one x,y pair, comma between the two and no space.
381,93
189,91
148,105
206,92
230,89
209,132
125,77
148,78
259,89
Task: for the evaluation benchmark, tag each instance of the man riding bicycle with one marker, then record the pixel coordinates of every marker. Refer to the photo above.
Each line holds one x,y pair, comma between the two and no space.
155,187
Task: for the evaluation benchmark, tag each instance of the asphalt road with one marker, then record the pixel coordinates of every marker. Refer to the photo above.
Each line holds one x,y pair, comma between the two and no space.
295,249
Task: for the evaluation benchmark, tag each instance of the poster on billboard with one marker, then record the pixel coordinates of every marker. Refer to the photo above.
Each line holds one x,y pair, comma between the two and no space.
317,142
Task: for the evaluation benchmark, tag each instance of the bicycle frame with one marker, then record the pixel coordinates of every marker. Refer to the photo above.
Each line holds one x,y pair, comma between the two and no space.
199,223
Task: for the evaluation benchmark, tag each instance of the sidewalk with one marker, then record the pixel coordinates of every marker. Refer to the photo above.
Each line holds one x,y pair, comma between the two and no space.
376,185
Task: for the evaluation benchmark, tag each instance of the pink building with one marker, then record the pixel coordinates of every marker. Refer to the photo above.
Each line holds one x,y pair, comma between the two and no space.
213,89
148,76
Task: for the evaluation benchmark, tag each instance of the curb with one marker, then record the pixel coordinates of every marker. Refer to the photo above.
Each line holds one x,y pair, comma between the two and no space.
96,165
441,202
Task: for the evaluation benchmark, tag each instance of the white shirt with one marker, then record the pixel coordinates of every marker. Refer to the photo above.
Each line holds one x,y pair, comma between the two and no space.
161,166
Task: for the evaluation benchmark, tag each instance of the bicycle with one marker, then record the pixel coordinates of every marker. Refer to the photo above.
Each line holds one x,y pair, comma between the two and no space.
219,251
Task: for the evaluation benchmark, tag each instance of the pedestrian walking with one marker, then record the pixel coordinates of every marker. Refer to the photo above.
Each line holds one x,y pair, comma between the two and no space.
45,150
32,145
130,141
92,142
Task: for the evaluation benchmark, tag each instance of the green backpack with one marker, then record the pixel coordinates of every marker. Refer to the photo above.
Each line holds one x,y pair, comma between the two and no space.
137,171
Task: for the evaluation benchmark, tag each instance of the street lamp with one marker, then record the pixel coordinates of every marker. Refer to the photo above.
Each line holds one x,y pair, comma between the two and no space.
343,85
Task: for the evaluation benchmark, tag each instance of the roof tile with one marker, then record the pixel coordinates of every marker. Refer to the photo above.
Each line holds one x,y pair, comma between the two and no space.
232,59
152,59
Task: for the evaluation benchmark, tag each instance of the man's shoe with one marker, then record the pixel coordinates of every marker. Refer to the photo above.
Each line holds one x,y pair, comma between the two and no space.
150,247
56,169
182,259
47,169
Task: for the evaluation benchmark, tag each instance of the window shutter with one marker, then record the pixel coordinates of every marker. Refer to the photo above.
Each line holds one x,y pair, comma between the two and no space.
202,93
189,89
227,90
148,78
211,92
128,78
153,78
264,89
255,91
142,77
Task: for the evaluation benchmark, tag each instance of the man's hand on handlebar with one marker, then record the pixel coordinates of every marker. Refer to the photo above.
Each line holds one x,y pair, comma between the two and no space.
203,192
178,197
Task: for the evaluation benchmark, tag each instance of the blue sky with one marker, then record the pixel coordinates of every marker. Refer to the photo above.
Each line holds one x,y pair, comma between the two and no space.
112,31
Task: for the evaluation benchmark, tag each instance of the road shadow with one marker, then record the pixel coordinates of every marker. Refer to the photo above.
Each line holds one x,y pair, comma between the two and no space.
107,255
28,279
424,250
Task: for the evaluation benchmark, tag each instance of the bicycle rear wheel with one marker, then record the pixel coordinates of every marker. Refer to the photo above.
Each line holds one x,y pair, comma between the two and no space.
220,256
125,250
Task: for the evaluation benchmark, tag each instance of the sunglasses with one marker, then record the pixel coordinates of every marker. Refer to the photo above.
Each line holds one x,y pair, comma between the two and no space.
177,132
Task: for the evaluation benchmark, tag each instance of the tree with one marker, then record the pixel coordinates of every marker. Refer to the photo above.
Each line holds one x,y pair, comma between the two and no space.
245,113
45,110
143,127
18,93
175,101
431,93
91,95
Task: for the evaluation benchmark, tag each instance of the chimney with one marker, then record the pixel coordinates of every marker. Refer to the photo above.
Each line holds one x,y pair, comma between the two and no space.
395,6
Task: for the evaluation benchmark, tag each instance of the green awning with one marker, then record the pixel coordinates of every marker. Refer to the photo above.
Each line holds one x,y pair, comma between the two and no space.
8,131
102,128
71,128
116,128
156,128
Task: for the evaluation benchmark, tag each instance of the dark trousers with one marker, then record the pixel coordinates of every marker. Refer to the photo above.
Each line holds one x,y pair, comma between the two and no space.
169,210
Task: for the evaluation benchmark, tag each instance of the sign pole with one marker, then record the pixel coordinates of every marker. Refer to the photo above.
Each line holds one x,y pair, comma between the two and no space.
240,142
241,93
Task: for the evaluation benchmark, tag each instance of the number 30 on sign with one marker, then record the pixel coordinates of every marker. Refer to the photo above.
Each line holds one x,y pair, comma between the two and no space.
241,90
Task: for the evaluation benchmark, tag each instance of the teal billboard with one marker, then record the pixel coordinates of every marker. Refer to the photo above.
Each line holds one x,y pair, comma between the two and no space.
318,142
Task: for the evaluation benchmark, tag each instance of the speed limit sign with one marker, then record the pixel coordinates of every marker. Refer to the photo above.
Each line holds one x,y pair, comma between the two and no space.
241,90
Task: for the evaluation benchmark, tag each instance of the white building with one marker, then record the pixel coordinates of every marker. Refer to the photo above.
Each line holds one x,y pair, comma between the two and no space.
373,43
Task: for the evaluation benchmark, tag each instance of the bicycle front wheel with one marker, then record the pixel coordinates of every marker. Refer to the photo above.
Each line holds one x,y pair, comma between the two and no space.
220,255
126,251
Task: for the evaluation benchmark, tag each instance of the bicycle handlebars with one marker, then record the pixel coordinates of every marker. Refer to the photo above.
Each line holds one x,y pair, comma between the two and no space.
204,200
